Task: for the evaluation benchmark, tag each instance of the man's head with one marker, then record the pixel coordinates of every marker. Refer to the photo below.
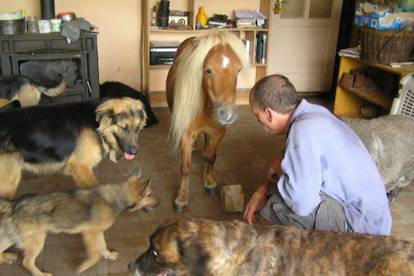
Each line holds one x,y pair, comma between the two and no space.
272,100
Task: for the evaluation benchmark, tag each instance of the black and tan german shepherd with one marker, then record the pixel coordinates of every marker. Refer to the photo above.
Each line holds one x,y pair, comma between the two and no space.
72,138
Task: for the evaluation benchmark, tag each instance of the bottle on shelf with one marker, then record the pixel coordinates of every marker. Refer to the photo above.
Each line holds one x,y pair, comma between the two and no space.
154,16
201,18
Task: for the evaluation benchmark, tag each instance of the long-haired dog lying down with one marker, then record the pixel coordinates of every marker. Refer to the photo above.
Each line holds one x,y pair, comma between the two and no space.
233,248
26,221
72,138
389,140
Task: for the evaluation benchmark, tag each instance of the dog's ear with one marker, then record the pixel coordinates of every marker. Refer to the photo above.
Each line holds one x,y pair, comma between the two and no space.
104,118
105,109
142,117
137,172
138,186
147,185
101,113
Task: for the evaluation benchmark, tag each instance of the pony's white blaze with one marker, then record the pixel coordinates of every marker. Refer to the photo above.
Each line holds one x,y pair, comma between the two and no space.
225,62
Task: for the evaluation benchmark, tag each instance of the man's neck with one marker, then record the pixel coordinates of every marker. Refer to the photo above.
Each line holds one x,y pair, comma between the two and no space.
286,120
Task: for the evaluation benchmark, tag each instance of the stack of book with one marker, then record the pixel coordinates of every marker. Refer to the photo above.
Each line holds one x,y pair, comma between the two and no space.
249,48
217,21
248,19
261,48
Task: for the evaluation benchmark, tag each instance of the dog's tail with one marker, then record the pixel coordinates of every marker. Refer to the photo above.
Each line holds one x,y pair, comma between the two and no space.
53,91
4,205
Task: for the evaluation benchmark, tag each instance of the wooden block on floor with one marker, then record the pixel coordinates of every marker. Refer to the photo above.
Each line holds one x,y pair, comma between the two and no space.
232,198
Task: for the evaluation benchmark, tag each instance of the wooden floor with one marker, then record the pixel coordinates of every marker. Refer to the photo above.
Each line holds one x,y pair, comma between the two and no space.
243,158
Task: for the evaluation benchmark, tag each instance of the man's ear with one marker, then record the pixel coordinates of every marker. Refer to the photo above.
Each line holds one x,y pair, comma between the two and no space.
269,114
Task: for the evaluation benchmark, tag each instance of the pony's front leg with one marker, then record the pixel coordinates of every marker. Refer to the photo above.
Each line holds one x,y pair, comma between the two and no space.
212,142
187,142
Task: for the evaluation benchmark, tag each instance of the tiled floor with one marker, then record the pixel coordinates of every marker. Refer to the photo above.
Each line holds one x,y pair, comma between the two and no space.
243,158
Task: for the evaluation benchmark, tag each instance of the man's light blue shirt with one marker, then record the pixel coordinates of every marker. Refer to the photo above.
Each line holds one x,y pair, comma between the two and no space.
323,155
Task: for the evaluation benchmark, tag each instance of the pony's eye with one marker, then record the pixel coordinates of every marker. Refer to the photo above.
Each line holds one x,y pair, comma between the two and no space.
209,71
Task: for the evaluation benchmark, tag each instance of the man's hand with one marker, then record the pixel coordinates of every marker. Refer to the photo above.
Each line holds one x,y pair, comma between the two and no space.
257,202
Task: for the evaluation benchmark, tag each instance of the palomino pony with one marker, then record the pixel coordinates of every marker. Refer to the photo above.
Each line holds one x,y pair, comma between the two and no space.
201,93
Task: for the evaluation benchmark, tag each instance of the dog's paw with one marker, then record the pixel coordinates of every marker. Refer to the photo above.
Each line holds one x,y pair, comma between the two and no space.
8,258
111,255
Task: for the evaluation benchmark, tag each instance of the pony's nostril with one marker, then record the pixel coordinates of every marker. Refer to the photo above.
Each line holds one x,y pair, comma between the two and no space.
221,112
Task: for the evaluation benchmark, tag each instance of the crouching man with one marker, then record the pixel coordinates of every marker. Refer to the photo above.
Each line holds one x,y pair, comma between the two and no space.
326,179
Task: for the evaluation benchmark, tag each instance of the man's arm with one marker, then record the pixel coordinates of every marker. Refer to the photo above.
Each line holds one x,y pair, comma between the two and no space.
259,197
301,182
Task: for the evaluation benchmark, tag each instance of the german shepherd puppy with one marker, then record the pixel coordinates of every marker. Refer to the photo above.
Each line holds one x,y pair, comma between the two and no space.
72,138
27,220
25,91
233,248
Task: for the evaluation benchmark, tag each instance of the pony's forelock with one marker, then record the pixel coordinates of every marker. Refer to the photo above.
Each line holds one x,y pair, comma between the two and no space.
188,98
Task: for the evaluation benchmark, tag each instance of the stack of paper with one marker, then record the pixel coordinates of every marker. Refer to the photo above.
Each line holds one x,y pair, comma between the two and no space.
350,52
248,18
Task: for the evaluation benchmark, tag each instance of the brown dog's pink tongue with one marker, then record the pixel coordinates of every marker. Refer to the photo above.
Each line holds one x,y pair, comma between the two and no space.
129,156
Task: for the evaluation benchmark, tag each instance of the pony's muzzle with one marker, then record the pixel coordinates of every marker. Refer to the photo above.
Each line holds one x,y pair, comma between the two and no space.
226,114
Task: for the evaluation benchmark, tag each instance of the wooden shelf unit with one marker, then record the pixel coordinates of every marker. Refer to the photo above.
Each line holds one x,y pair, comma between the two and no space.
154,76
348,100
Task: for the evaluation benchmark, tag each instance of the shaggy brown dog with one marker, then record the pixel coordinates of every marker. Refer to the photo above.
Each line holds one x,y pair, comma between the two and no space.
27,220
205,247
72,138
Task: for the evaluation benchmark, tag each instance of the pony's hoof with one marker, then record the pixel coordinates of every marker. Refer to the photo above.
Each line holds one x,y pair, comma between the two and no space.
179,207
210,190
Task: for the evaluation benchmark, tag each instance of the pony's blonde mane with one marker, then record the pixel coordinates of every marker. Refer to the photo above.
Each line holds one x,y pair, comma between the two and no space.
188,98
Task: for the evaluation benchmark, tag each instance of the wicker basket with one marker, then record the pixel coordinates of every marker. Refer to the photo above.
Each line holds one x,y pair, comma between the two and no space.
386,46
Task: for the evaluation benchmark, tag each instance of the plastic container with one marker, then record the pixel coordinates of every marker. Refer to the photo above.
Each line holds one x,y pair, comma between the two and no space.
32,24
11,27
44,26
20,14
55,25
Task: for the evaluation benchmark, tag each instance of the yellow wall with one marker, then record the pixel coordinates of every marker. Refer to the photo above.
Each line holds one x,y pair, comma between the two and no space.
119,27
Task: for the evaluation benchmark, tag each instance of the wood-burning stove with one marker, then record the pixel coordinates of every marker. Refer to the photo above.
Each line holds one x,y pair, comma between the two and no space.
20,48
